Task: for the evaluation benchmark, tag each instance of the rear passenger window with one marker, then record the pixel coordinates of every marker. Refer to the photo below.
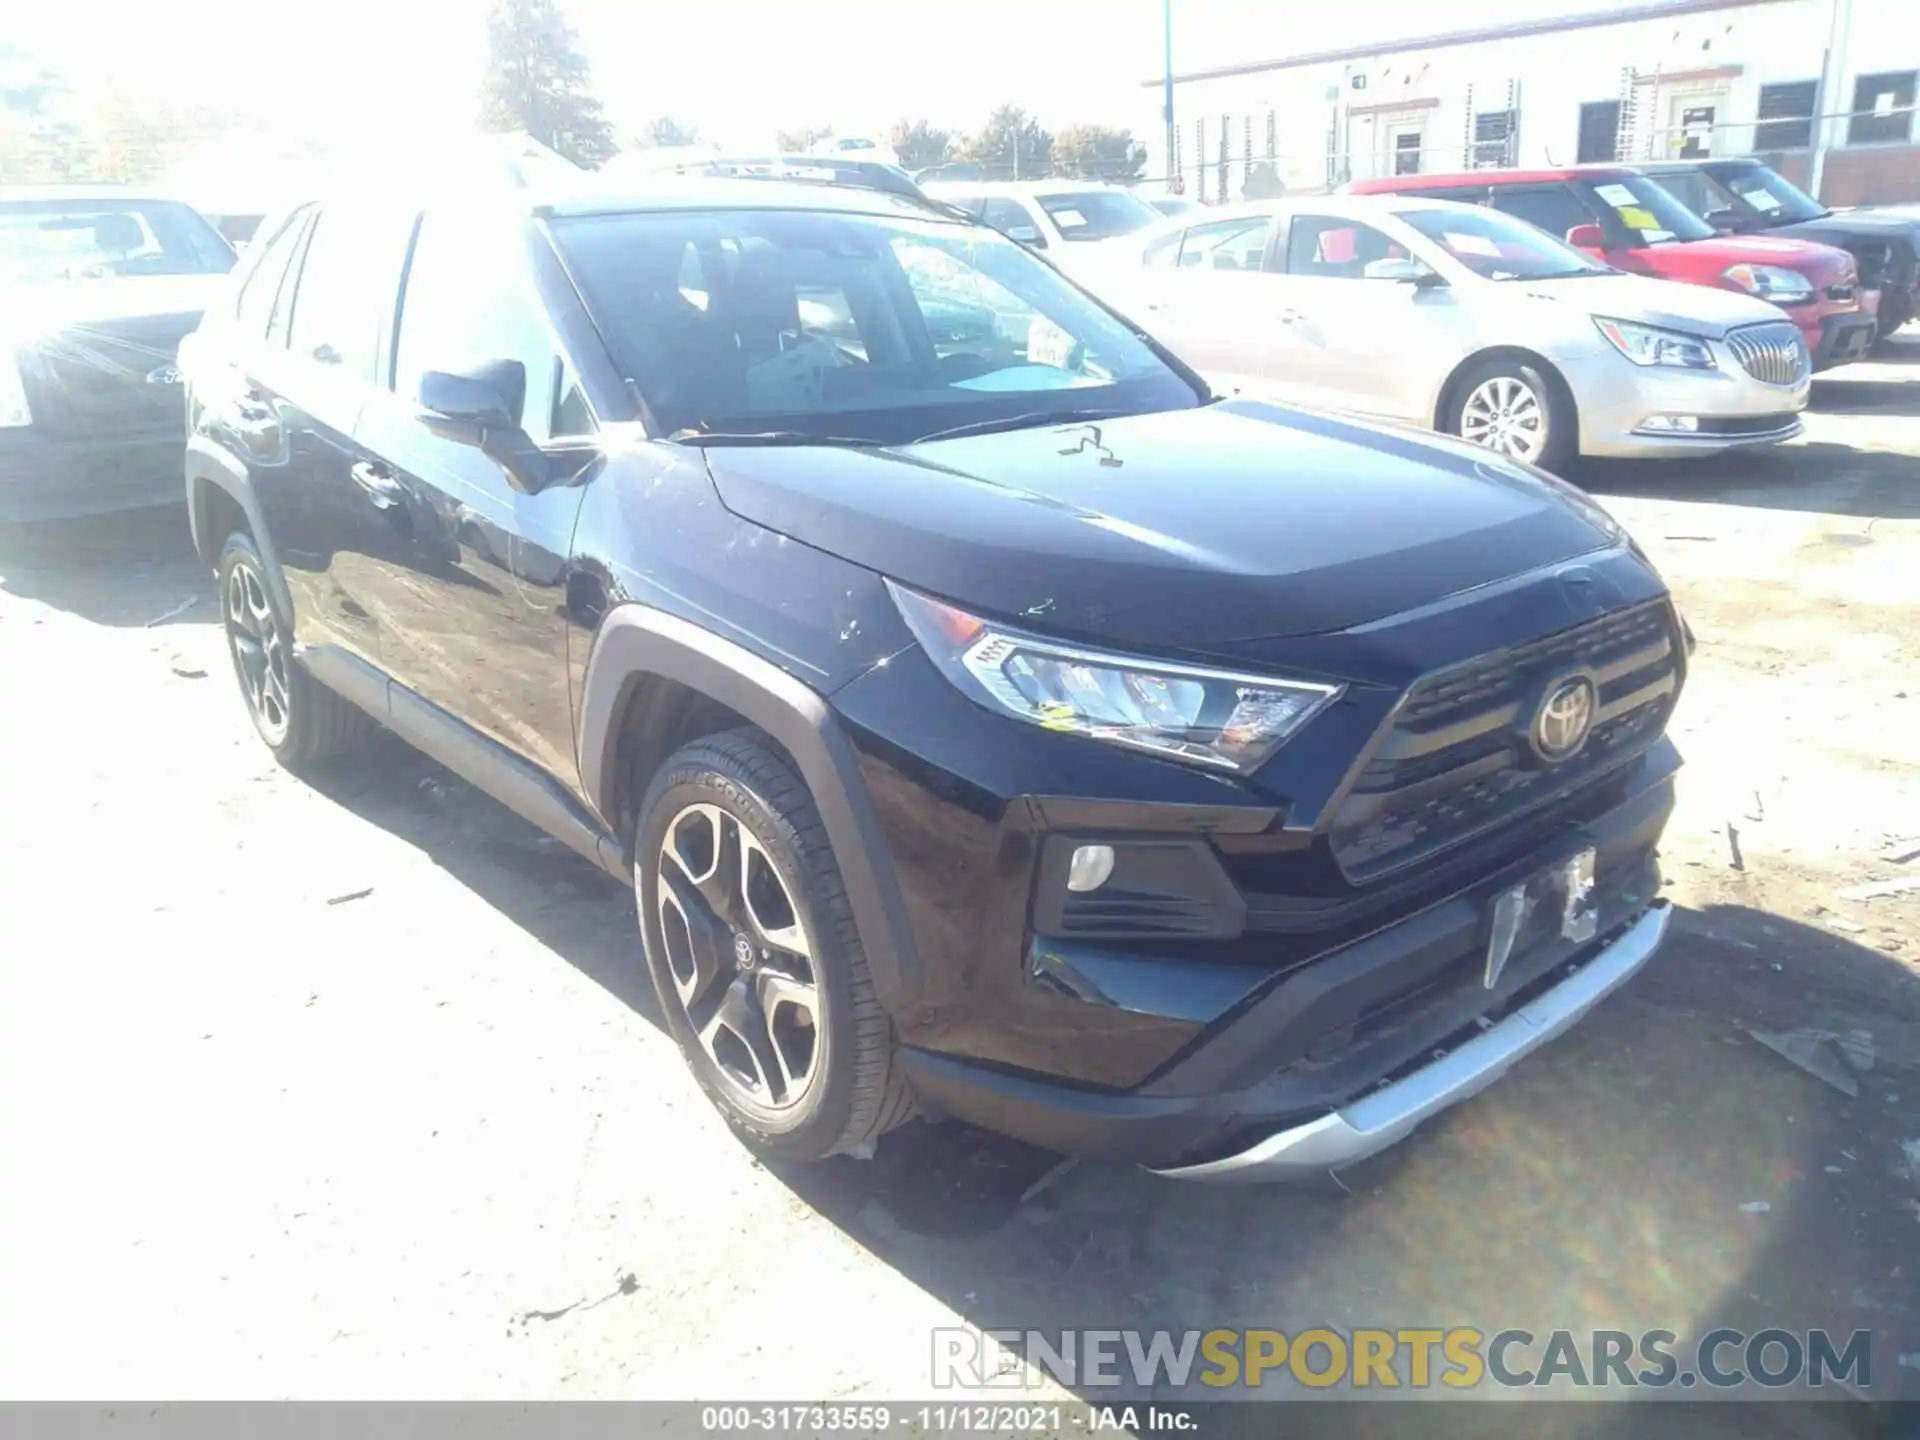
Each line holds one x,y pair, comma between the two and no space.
1555,209
467,301
349,276
261,288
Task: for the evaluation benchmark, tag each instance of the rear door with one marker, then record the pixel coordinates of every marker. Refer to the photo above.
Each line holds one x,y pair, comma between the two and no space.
1220,306
473,606
297,403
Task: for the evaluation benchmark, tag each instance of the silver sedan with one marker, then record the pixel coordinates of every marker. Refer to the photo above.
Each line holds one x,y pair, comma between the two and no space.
1461,319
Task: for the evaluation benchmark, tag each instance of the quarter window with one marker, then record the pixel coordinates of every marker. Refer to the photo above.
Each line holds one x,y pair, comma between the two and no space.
263,284
1239,244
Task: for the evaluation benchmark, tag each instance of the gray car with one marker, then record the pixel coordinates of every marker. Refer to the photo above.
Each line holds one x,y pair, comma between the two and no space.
1461,319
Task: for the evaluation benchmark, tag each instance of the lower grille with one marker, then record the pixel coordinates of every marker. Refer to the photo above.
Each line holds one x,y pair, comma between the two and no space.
1456,762
1772,352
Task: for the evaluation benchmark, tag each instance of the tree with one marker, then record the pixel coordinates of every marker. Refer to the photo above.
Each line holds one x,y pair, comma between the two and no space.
919,144
801,140
538,81
665,133
1012,146
1099,152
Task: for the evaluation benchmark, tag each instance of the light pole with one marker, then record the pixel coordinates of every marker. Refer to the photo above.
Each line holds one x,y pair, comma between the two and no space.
1166,18
1833,76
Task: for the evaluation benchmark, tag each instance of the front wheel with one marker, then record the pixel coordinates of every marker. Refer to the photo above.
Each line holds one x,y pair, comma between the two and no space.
754,956
1511,408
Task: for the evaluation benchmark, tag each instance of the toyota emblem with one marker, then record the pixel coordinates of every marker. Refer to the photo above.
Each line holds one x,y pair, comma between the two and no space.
164,375
1564,720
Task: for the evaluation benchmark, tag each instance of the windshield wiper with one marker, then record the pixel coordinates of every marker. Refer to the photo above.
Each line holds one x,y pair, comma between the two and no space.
693,435
1031,419
1565,274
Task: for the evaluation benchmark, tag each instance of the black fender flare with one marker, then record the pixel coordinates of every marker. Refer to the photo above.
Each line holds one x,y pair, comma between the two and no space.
637,642
213,465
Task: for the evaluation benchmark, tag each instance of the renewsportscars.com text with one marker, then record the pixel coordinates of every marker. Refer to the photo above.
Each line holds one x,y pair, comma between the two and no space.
1414,1358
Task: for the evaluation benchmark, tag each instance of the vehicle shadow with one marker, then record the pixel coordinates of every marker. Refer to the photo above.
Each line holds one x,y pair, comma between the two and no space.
133,569
1814,476
1656,1168
1850,396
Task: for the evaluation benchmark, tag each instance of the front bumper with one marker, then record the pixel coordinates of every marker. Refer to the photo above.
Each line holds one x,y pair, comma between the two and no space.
1391,1113
1618,400
50,477
1844,339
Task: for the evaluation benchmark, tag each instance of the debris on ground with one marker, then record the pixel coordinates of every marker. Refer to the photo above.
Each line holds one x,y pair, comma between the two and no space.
1875,889
1911,1150
1823,1054
1756,1207
1901,851
351,895
1047,1179
178,610
1845,927
189,672
1733,846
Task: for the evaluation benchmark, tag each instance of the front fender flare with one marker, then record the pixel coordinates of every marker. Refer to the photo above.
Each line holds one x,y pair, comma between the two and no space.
637,642
209,464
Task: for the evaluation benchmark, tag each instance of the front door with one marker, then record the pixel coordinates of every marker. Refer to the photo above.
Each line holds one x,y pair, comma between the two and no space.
473,608
1359,336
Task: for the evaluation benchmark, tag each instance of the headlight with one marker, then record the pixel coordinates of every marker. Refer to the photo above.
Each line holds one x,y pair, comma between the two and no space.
13,394
1770,282
1646,345
1205,717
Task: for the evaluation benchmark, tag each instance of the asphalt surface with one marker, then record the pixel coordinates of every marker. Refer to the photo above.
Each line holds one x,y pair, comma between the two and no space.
354,1089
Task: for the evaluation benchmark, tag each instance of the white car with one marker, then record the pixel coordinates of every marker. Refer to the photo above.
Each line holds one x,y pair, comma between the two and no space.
1074,221
1462,319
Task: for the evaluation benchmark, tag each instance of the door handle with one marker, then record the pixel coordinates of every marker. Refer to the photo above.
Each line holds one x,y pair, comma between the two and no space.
381,487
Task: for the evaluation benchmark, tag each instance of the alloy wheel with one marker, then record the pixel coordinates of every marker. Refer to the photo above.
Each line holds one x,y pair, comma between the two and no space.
1504,414
259,652
740,957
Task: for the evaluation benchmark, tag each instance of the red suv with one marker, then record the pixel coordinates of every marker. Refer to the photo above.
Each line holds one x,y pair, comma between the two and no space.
1634,225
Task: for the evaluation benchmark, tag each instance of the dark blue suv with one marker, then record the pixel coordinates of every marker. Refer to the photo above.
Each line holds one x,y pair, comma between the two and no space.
992,723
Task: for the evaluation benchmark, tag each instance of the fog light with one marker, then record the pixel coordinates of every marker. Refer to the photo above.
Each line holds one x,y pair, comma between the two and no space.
1685,424
1090,867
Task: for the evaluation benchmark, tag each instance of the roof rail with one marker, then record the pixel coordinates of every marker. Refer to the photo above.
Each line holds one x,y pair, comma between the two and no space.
835,170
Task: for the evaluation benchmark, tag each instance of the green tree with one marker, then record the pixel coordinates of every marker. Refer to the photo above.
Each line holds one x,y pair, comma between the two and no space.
801,139
665,133
1012,146
1099,152
538,81
920,144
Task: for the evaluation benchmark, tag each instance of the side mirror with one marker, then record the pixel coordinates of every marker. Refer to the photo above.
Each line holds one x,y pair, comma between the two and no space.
1587,237
1404,272
481,407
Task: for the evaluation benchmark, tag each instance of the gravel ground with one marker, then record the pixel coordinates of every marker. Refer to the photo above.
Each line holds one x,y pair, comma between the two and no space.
354,1089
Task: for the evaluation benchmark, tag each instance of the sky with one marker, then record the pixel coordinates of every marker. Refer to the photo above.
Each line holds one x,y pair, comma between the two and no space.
383,71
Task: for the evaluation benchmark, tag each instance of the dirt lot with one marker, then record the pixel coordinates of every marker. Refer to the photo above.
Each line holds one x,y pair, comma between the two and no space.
354,1090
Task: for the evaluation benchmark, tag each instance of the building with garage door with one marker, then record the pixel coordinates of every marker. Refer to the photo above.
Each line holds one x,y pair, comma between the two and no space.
1824,89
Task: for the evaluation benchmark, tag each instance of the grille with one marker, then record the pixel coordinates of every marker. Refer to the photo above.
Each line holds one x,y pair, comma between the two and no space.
1773,352
1456,764
92,380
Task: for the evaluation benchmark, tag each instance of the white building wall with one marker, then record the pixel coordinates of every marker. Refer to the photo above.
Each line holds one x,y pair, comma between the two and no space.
1718,60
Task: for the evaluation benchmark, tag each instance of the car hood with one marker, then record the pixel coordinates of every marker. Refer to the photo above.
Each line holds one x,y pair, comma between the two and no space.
1178,531
1698,309
1823,264
29,309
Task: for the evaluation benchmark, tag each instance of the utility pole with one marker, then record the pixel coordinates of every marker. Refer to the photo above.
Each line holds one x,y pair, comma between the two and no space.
1166,17
1833,77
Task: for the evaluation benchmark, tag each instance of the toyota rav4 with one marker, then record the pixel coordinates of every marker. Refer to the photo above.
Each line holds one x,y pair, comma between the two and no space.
990,722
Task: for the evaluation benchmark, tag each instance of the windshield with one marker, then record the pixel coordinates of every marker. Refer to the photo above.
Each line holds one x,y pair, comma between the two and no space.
42,240
1497,247
1098,214
1649,214
1774,199
856,328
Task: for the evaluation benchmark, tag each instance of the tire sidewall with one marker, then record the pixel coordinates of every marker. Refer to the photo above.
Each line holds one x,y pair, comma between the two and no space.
813,1127
1555,452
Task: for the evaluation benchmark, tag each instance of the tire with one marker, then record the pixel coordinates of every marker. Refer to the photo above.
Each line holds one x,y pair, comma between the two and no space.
1892,317
763,983
1497,398
300,720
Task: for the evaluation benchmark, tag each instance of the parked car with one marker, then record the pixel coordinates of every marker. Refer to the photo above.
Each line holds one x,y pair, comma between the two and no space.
1014,733
1744,197
97,285
1634,225
822,169
1070,219
1465,320
1174,205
